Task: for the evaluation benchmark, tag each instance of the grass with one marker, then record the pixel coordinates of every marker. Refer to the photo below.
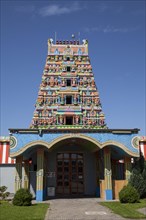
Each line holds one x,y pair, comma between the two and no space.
34,212
127,210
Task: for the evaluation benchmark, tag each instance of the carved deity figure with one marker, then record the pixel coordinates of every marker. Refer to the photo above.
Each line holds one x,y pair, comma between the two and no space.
96,100
52,81
45,97
44,84
63,82
40,101
50,120
92,83
75,98
101,119
88,101
73,82
77,119
62,98
81,82
61,119
45,122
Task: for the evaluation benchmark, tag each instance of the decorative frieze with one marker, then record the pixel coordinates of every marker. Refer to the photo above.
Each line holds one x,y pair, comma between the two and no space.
68,82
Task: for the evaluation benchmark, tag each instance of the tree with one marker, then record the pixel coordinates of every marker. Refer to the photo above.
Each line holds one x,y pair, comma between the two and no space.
138,177
3,193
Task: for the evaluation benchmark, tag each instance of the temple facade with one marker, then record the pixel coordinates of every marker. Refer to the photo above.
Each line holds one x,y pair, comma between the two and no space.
68,149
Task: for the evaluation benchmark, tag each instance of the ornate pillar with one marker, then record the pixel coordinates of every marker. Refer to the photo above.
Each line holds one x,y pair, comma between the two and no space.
81,122
18,175
26,174
127,163
40,175
97,176
57,119
108,174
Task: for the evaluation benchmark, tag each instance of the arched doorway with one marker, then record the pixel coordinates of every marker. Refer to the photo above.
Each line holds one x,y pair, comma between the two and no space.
74,163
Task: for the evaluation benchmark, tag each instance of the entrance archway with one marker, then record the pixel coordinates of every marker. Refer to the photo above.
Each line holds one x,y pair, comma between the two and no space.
66,174
74,162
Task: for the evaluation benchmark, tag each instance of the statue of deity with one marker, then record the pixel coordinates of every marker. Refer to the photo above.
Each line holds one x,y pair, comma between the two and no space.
75,98
92,83
73,82
52,81
96,100
77,119
63,82
61,119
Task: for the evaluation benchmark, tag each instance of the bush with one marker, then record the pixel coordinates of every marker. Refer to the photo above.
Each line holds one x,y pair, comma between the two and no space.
128,194
22,198
3,193
138,178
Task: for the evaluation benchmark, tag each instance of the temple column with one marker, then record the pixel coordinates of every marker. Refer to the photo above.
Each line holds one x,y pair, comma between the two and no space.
81,119
18,175
108,174
127,163
26,174
97,176
40,175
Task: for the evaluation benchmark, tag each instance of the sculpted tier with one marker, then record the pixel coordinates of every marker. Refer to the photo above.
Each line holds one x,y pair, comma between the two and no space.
68,96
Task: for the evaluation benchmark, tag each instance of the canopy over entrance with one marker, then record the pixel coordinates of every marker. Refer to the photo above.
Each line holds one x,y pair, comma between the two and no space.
21,140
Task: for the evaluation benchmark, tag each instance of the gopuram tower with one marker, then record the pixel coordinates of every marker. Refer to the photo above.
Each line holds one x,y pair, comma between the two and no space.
68,149
68,96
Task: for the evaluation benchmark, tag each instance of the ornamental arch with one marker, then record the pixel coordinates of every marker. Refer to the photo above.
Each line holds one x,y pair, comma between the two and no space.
99,163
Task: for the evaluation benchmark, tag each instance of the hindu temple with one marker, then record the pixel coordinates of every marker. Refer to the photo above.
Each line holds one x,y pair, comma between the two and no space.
68,150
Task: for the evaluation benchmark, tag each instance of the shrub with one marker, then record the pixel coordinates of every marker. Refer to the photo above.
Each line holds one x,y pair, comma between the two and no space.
22,198
138,178
3,193
128,194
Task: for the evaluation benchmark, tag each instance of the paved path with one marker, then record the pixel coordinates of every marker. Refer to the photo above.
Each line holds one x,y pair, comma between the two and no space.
79,209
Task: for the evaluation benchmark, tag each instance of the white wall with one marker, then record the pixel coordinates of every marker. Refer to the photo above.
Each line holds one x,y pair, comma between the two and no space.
7,177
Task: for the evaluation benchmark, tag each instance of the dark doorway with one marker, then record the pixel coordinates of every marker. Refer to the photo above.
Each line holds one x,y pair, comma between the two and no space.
68,58
68,82
68,100
70,174
69,120
68,68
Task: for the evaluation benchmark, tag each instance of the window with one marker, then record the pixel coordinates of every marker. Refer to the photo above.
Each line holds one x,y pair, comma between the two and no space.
68,100
68,58
68,68
68,82
69,120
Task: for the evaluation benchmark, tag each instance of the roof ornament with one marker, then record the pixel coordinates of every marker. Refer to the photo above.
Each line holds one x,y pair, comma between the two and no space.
50,40
73,36
85,41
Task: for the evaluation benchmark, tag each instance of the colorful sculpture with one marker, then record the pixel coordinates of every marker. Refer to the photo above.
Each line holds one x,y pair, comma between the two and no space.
68,96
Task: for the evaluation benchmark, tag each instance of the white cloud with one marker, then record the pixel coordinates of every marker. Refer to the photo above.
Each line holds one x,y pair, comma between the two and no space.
56,9
110,29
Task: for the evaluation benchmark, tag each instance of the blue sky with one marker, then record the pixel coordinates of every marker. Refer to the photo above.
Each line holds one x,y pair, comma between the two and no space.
116,34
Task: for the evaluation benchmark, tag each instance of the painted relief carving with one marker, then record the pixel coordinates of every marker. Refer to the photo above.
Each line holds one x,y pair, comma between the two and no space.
68,95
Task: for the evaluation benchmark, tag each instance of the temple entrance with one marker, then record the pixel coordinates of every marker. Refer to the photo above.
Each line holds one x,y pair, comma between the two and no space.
68,100
70,177
69,120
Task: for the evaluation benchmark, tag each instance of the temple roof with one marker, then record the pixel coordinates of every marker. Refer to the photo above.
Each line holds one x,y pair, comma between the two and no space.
68,97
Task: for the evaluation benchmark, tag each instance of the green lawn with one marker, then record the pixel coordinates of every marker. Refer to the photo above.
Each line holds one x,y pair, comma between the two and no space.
34,212
126,210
